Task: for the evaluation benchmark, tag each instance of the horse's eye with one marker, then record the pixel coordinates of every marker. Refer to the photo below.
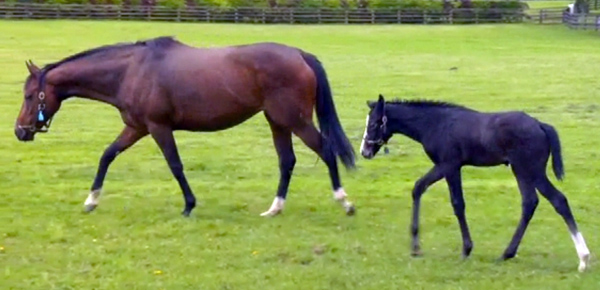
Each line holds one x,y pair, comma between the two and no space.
28,97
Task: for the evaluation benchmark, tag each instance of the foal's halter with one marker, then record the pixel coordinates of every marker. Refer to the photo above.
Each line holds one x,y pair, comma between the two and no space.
40,117
379,141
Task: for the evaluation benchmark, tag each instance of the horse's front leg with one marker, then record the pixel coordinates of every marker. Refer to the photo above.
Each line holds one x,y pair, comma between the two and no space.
126,139
163,136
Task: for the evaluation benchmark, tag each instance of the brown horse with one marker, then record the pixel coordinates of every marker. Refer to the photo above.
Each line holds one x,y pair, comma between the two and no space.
161,85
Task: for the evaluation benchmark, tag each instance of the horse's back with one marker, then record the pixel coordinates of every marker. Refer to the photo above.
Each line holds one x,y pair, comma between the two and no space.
216,88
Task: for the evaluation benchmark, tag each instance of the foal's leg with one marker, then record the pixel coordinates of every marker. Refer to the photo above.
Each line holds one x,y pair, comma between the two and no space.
126,139
561,205
436,173
315,141
282,138
458,204
164,138
529,202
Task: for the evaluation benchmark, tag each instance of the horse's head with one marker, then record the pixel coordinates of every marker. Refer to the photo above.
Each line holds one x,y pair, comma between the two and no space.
376,133
40,103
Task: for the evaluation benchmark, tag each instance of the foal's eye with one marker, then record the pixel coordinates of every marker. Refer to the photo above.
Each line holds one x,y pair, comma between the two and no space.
28,97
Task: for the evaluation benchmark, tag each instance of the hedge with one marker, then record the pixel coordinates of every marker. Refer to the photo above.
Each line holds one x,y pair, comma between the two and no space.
392,4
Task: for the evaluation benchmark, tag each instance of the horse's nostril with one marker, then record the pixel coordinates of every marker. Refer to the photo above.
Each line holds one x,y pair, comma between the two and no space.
23,135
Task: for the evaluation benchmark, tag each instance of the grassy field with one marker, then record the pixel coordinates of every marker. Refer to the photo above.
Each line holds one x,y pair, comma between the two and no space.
137,239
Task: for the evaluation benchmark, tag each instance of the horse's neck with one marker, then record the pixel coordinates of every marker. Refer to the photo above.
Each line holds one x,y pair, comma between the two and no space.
95,82
415,123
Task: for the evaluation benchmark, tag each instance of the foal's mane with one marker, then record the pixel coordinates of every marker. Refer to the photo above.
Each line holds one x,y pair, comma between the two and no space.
422,103
155,45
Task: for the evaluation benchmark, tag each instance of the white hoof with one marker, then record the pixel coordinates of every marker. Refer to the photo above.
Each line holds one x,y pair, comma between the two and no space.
270,213
92,200
275,209
583,263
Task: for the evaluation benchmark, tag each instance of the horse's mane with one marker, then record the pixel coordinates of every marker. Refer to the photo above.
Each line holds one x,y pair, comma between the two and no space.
422,103
156,45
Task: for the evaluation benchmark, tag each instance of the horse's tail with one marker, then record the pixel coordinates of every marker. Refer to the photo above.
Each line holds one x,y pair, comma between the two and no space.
334,137
557,163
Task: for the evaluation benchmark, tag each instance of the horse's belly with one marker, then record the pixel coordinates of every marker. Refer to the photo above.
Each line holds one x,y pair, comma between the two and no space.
213,120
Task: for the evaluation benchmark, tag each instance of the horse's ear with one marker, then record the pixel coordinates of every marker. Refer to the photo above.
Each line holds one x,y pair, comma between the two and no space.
381,103
33,69
371,104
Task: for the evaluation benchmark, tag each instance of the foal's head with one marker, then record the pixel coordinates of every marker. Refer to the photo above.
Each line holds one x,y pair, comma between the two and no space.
39,105
376,132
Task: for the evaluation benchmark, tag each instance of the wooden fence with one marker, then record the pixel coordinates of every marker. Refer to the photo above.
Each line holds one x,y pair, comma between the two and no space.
589,21
259,15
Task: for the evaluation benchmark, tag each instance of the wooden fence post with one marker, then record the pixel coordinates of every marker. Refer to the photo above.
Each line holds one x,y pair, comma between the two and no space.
399,16
372,16
319,15
541,16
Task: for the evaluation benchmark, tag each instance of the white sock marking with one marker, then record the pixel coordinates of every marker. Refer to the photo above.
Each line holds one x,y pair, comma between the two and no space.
92,198
340,196
582,250
363,143
276,207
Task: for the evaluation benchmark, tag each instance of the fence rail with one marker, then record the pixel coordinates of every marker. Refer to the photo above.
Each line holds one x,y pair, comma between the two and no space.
590,21
259,15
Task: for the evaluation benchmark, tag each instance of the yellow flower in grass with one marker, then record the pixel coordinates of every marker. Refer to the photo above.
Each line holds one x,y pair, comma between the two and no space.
158,272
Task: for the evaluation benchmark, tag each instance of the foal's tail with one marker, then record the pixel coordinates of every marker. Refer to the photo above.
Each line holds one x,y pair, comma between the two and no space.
331,129
557,163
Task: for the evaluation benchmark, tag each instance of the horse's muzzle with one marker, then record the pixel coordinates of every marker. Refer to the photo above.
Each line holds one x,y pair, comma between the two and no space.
368,154
24,135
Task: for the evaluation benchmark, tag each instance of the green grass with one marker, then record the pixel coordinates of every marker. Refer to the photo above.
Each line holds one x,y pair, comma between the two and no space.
137,230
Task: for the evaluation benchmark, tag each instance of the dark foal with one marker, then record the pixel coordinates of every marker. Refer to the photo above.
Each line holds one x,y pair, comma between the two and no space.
161,85
454,136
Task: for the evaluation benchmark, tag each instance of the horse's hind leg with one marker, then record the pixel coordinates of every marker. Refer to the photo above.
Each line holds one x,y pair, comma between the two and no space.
561,205
282,139
529,202
315,141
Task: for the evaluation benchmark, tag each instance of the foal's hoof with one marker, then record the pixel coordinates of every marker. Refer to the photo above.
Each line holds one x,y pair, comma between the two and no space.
416,252
583,263
351,210
186,212
467,252
270,213
89,208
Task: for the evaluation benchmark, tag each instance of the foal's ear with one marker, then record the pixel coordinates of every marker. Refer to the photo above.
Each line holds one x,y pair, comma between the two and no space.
381,103
33,69
371,104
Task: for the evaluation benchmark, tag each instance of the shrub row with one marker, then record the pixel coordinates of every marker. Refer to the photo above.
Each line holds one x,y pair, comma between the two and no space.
379,4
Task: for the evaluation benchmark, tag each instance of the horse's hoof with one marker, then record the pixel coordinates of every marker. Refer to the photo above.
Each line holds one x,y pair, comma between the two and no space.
270,213
505,257
583,263
416,253
186,212
351,210
89,208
